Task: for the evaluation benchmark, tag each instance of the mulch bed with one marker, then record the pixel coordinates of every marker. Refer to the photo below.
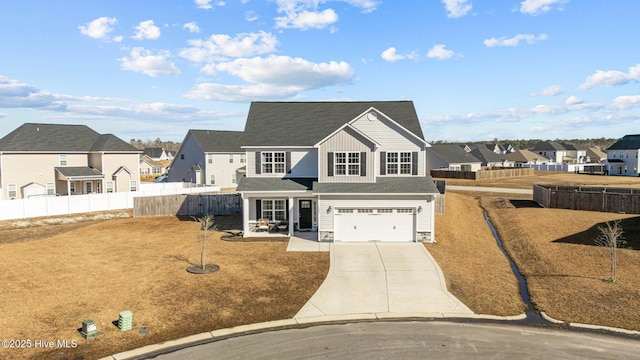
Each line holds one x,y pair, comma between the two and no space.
237,237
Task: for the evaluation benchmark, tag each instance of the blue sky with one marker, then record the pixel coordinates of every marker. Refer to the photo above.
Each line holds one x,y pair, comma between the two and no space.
475,70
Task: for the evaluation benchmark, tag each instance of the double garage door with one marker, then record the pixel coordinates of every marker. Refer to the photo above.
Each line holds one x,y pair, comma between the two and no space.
363,224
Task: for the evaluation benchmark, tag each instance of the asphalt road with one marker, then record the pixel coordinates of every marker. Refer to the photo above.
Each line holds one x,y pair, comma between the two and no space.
415,340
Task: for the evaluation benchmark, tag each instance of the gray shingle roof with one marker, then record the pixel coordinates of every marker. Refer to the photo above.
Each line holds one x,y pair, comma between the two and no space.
383,185
274,184
628,142
152,152
219,140
486,156
78,171
61,138
453,154
306,123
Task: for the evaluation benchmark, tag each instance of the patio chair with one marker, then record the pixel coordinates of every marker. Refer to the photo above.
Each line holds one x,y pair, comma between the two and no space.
263,224
283,226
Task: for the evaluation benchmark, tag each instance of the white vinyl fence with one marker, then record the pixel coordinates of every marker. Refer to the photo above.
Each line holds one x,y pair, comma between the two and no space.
75,204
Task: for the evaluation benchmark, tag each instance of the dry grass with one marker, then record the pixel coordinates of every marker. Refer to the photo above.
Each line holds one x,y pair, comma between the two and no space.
551,178
566,274
95,270
475,269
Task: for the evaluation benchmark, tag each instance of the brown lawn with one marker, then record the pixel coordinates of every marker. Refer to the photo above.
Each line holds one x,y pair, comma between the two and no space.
475,269
55,278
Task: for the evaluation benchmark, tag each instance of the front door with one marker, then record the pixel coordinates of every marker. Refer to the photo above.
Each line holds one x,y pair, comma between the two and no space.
305,210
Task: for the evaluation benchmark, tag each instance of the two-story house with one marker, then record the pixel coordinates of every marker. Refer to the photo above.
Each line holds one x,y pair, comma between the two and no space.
622,156
352,171
51,159
211,157
560,153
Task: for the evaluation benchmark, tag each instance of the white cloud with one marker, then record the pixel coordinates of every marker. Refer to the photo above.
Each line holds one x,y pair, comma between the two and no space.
206,4
514,41
574,100
456,8
552,90
391,55
146,30
288,71
273,77
537,7
240,93
98,28
611,78
192,27
251,16
144,61
14,94
440,52
305,19
221,46
625,102
367,6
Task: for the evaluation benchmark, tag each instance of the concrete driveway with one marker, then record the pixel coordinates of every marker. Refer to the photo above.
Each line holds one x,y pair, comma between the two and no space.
381,277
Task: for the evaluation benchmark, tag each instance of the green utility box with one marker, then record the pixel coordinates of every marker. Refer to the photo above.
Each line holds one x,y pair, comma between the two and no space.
125,320
89,329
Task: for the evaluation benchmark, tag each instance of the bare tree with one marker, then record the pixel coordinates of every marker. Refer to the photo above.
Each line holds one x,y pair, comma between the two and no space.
611,237
207,226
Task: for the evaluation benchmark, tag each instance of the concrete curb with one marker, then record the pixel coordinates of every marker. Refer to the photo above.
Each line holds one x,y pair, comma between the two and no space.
590,326
295,323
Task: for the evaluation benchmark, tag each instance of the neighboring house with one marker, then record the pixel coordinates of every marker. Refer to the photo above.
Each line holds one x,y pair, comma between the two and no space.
158,154
596,155
150,168
526,157
352,171
49,159
499,148
561,153
209,157
489,158
451,157
622,156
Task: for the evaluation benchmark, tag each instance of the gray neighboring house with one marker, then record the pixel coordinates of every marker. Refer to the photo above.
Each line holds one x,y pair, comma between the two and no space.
622,156
489,158
451,157
53,159
561,153
350,171
211,157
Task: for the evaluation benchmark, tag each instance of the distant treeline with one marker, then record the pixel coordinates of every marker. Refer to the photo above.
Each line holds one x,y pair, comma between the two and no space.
157,143
602,143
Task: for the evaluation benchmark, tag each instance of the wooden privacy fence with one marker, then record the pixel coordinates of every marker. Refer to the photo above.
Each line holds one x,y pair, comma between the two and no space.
441,198
482,174
187,205
604,199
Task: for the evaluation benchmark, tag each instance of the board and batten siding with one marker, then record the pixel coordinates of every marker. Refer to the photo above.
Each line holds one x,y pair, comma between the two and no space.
423,219
304,162
347,140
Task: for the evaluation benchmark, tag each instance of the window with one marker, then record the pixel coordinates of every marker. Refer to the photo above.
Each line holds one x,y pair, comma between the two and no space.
273,162
89,187
399,163
385,211
72,187
51,190
156,170
63,159
109,186
274,210
347,163
404,211
230,158
209,158
233,179
181,156
243,158
212,179
345,211
99,187
144,171
365,211
12,191
133,185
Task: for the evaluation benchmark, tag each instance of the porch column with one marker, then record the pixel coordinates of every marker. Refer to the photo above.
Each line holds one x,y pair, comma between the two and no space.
68,187
245,216
291,219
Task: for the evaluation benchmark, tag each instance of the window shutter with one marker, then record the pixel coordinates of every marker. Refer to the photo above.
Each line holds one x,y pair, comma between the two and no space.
414,163
288,162
383,163
329,164
258,209
287,208
363,164
258,163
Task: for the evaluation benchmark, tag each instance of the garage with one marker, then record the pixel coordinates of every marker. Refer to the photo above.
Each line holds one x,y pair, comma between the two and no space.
374,224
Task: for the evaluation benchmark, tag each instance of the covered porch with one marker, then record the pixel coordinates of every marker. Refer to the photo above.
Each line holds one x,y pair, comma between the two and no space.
76,180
